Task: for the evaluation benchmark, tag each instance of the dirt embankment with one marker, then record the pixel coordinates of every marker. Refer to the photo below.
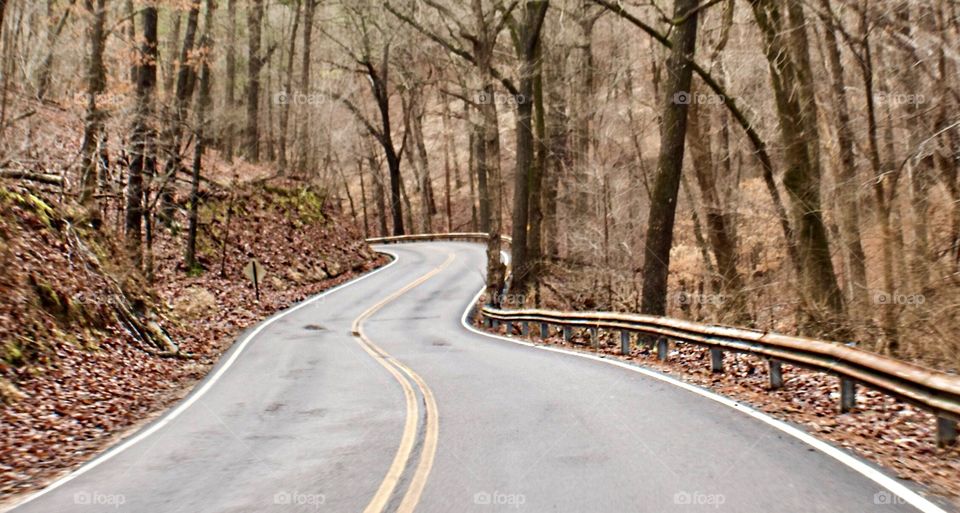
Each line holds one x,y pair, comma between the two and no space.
90,349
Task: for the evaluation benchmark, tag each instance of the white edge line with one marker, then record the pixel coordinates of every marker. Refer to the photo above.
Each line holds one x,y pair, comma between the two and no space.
908,495
197,394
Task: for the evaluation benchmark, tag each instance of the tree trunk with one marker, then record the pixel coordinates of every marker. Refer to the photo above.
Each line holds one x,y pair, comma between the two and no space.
142,138
285,105
203,103
583,110
718,221
489,165
93,124
303,142
663,206
920,167
882,207
847,183
529,39
183,92
363,200
254,65
53,34
231,81
535,237
797,117
379,195
169,73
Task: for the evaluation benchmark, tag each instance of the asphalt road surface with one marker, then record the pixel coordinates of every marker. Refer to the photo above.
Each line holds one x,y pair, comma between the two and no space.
376,398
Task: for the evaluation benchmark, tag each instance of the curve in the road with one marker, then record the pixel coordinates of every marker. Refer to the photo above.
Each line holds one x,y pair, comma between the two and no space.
909,496
401,373
208,383
304,410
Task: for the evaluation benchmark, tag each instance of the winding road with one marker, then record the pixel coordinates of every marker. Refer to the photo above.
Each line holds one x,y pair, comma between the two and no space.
374,397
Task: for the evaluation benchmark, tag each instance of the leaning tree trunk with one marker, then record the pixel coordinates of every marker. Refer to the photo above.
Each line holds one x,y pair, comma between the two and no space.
797,117
719,223
663,205
849,208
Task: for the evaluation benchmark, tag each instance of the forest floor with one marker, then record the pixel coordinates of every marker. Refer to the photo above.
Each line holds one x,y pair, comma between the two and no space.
75,376
881,429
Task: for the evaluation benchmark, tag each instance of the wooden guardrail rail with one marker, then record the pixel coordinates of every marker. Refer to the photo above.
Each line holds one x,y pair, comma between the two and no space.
935,391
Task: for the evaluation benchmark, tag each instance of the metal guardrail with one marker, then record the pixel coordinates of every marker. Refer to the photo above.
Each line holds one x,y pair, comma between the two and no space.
936,391
456,236
932,390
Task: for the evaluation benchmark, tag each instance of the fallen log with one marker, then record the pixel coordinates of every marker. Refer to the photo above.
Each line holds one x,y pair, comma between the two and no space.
32,177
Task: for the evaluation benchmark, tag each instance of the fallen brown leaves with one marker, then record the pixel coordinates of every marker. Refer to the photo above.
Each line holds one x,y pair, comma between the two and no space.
86,384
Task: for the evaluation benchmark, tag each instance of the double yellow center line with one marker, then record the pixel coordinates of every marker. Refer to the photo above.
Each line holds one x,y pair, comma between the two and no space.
407,379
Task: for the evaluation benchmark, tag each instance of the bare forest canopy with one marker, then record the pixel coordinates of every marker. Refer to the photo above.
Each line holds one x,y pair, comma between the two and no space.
777,164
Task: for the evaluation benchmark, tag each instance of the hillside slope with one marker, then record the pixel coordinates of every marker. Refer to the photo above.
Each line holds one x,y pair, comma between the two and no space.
90,349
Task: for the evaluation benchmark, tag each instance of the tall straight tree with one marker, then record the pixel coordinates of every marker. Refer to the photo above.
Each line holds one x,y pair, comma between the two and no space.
255,62
183,91
141,161
303,153
673,132
203,104
288,83
96,84
528,39
230,100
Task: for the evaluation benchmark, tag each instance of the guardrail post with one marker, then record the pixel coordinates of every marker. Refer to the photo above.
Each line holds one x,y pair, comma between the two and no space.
716,359
624,342
566,333
776,374
594,338
524,328
848,395
946,432
663,345
544,330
